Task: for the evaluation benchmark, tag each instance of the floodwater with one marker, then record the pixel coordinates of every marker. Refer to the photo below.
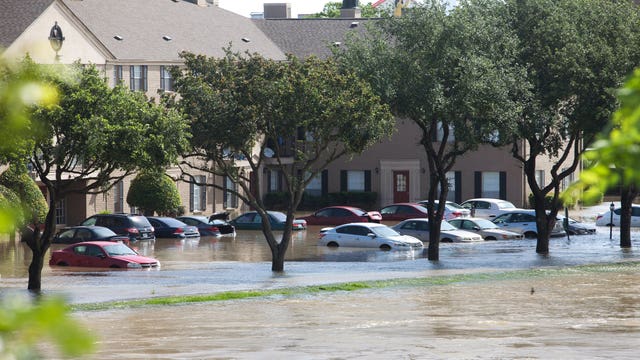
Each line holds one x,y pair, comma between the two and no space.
579,314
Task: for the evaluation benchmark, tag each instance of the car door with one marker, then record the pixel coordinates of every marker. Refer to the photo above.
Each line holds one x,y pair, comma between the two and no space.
415,228
353,236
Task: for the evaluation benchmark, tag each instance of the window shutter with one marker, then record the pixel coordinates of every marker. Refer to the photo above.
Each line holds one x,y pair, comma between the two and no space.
191,186
458,187
144,77
132,78
268,175
503,185
162,78
203,193
477,184
325,182
367,180
343,180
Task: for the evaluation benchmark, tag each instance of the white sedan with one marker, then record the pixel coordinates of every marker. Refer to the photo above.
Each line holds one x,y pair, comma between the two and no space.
367,235
604,219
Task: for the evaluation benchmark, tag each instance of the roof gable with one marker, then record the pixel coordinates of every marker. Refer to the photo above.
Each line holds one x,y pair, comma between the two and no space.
16,16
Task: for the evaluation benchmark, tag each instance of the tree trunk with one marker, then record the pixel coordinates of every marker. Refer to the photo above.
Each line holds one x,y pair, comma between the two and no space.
277,260
543,226
627,195
35,271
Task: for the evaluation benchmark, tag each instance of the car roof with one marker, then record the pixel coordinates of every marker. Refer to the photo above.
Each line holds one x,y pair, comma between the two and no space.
365,224
97,242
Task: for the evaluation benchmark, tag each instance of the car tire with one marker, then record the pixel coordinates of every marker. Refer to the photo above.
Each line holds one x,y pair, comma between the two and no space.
332,244
385,247
490,238
446,240
530,235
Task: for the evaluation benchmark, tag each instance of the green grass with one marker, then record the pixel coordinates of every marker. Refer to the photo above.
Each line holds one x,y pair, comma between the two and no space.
440,280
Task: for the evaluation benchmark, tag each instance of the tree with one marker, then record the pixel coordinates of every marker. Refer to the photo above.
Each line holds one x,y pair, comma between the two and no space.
450,72
575,52
332,10
615,154
154,192
306,112
94,137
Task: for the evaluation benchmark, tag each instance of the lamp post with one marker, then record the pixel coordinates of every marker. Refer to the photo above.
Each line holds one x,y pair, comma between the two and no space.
611,208
56,39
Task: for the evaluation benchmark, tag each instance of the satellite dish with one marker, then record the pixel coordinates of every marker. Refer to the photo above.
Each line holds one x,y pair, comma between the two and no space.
268,152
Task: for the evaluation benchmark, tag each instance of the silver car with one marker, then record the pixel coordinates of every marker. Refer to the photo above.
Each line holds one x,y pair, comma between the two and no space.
448,233
524,222
485,228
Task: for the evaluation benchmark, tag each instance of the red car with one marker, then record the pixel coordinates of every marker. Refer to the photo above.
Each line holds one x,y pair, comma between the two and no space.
403,211
102,254
338,215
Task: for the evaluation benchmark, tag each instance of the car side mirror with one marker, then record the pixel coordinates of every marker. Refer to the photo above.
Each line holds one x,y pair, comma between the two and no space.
371,235
476,228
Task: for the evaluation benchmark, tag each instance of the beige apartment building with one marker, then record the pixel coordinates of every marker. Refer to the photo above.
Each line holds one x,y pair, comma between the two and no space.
134,42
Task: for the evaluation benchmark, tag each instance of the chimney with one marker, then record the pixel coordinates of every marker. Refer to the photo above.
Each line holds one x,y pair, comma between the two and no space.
350,9
277,10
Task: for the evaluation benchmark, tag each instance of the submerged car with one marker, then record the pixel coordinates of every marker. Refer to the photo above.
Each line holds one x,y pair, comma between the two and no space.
575,227
451,210
166,227
338,215
137,227
524,222
605,218
403,211
76,234
368,235
420,228
485,228
209,226
487,208
101,254
253,221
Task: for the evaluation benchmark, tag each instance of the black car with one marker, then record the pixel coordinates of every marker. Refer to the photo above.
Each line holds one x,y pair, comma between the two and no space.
214,225
166,227
76,234
137,227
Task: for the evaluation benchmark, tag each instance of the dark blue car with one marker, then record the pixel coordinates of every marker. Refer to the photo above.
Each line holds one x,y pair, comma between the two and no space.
166,227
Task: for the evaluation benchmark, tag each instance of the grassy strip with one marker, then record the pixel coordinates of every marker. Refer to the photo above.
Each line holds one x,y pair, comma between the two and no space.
354,286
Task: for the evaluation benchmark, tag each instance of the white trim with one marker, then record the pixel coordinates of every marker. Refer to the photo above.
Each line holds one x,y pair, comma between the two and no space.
385,191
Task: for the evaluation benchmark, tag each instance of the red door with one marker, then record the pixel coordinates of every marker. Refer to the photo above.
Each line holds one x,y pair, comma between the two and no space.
401,186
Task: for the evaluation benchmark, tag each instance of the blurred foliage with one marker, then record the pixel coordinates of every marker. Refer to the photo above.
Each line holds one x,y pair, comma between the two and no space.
34,205
23,326
154,191
332,10
10,211
615,155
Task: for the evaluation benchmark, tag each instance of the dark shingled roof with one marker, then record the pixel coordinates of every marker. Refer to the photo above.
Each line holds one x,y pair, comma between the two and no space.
142,24
306,37
16,16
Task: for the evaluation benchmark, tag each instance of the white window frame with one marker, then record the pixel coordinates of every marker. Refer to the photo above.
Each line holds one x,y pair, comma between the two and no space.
355,180
491,184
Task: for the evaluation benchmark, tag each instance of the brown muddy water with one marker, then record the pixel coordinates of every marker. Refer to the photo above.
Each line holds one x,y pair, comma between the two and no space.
574,314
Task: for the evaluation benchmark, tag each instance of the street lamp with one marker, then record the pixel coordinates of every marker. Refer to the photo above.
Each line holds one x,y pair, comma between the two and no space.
56,39
611,207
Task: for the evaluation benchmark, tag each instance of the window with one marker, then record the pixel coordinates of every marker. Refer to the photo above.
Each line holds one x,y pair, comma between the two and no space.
230,199
198,198
138,76
314,188
274,181
440,133
540,177
118,197
566,181
355,180
491,184
61,212
166,81
117,74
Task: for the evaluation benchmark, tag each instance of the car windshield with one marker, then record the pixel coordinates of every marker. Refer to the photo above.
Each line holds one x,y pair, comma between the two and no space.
446,226
103,232
505,205
359,212
119,249
171,222
384,231
485,224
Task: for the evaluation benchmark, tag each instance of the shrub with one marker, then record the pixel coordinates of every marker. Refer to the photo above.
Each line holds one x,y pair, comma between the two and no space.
33,203
154,192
